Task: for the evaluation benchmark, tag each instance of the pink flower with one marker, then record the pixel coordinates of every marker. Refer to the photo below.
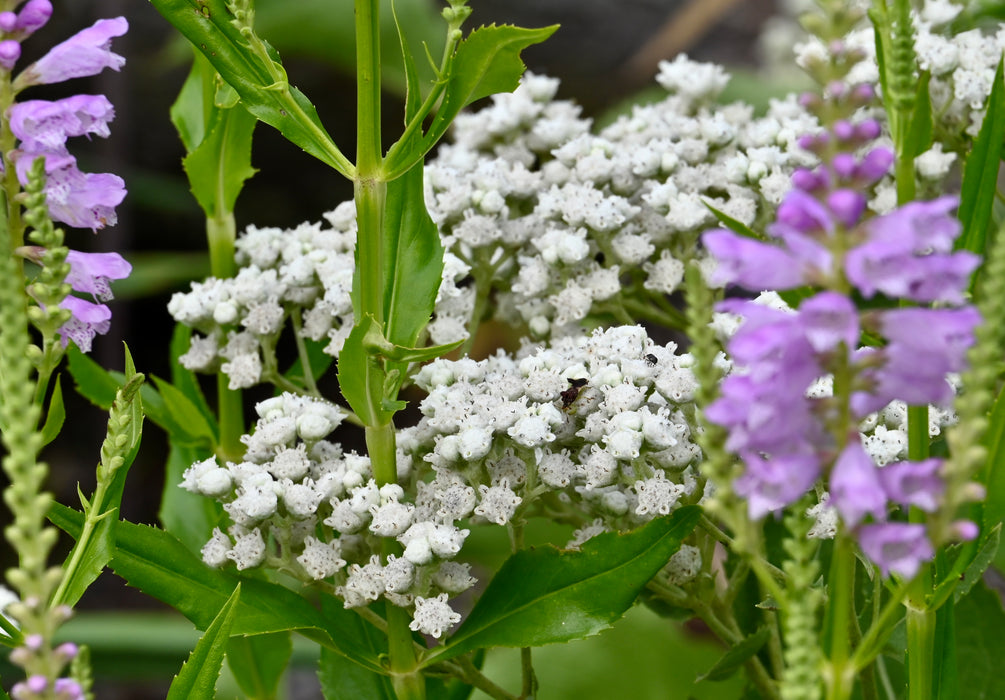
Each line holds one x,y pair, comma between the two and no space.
82,200
86,321
896,547
42,125
86,53
92,272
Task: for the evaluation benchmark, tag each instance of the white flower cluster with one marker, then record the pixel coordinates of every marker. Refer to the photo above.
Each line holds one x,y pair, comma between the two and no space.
300,504
566,224
597,427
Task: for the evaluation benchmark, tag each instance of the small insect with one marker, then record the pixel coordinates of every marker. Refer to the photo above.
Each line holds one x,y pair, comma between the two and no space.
572,393
651,360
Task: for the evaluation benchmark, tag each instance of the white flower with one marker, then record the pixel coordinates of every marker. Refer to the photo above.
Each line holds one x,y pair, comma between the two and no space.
321,559
684,565
248,550
498,503
433,615
657,495
214,552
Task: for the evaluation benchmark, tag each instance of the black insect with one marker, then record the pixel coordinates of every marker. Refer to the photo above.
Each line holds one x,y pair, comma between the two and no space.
570,394
651,360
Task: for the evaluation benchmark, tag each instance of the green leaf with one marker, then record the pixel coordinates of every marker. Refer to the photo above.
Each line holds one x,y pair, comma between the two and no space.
413,91
360,378
737,227
980,173
191,108
258,662
192,426
188,516
487,61
256,75
737,654
376,344
413,267
56,414
993,473
343,680
980,645
92,381
158,564
919,134
543,595
219,166
980,562
198,675
318,360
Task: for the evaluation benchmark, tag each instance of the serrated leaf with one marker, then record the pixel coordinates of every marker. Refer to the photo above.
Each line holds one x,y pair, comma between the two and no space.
207,25
992,476
192,426
92,381
158,564
199,673
258,662
734,225
487,61
980,172
737,654
56,415
219,166
544,595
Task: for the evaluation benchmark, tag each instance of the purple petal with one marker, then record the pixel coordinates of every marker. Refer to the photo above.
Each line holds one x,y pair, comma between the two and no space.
33,16
10,51
855,489
86,53
751,264
805,213
91,272
86,321
82,200
899,548
771,484
914,483
41,125
829,319
847,206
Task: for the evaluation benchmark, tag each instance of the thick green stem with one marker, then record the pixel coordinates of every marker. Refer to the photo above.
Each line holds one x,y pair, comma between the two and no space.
920,647
840,675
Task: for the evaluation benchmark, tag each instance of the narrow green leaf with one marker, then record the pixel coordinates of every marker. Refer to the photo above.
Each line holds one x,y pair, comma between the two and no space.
981,561
192,426
376,344
188,516
198,675
360,378
219,166
190,110
993,473
414,264
413,91
258,662
980,173
919,135
155,562
92,381
56,414
261,82
737,227
487,61
737,654
543,595
945,669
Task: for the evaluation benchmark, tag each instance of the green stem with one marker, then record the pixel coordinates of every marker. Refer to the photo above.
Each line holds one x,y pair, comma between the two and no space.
841,672
920,648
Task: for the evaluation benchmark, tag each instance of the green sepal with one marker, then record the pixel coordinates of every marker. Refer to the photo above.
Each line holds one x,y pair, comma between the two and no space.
258,662
199,673
56,414
980,172
260,80
733,659
544,595
157,563
486,62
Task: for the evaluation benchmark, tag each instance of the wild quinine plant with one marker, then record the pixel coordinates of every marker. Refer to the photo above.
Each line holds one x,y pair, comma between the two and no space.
812,468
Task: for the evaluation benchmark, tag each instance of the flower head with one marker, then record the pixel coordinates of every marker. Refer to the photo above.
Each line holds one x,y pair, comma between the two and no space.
86,53
91,272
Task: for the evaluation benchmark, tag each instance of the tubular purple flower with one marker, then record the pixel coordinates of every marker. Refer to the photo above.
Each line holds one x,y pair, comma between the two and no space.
751,264
804,212
42,125
82,200
855,489
771,484
86,53
86,321
896,547
914,483
10,51
829,319
92,272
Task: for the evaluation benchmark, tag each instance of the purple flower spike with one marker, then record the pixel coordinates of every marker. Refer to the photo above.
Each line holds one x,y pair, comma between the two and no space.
92,272
806,180
899,548
868,130
34,15
855,487
844,165
751,264
864,93
41,125
843,129
914,483
10,51
86,321
86,53
37,684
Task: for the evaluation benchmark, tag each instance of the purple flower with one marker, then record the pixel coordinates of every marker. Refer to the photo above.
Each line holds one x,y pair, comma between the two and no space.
855,489
92,272
896,547
86,53
773,483
82,200
829,319
914,483
41,125
804,212
86,321
752,264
